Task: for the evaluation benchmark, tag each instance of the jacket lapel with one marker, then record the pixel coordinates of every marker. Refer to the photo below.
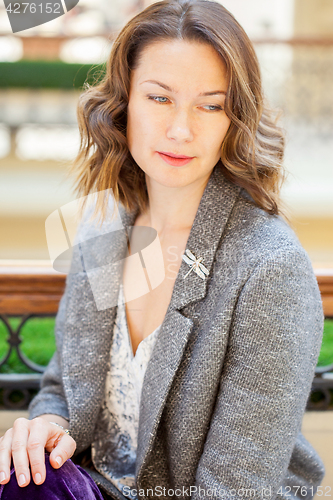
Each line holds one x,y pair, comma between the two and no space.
212,215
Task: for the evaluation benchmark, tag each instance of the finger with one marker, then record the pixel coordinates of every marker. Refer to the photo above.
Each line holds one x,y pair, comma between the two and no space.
5,456
63,451
38,437
19,451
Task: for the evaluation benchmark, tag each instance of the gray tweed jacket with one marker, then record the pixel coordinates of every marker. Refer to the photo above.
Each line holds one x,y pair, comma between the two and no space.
227,384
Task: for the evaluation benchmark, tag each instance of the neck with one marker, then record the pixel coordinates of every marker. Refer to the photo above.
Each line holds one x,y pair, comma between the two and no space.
172,209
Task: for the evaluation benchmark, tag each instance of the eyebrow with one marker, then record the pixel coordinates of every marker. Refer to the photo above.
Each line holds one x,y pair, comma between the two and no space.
166,87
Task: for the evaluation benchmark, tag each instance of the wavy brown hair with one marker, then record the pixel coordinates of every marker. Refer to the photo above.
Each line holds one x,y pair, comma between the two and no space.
253,148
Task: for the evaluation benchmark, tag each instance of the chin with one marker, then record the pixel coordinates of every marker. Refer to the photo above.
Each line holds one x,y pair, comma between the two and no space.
174,179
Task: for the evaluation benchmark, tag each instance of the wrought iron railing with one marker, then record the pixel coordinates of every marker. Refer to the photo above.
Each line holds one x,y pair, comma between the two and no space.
36,292
25,292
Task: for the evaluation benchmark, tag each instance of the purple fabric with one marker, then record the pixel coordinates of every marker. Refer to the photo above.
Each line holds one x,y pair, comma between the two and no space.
70,482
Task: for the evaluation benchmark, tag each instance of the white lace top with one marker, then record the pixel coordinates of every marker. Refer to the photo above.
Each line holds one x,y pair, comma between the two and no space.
114,450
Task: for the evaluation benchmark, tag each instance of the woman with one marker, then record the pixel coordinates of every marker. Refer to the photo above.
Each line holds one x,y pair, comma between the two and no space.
228,339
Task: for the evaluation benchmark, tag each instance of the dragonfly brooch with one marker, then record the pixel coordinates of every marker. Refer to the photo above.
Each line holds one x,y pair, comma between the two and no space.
195,264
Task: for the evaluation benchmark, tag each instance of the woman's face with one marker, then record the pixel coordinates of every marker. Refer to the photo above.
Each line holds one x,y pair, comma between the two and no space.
176,108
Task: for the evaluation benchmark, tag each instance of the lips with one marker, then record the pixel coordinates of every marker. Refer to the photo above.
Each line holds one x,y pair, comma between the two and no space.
172,155
175,160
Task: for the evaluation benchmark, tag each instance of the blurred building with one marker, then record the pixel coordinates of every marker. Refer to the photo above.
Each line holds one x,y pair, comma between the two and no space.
39,136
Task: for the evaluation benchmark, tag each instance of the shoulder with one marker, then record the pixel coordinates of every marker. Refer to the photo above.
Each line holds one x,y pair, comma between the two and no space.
89,227
272,273
93,239
256,246
261,235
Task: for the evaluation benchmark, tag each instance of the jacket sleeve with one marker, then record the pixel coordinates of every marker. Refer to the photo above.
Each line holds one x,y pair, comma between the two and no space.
273,348
51,397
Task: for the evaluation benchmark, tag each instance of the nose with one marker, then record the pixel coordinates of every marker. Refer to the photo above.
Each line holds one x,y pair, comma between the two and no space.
180,127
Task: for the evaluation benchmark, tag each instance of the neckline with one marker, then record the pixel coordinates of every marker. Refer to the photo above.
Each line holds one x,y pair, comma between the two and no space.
152,334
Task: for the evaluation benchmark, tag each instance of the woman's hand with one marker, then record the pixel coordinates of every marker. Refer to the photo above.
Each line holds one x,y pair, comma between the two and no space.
26,442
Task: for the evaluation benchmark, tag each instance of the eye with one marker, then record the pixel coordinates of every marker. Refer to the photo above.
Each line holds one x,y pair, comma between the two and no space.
157,98
211,107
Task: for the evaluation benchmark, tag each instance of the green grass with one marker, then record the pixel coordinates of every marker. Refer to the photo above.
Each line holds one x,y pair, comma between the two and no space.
39,344
326,351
